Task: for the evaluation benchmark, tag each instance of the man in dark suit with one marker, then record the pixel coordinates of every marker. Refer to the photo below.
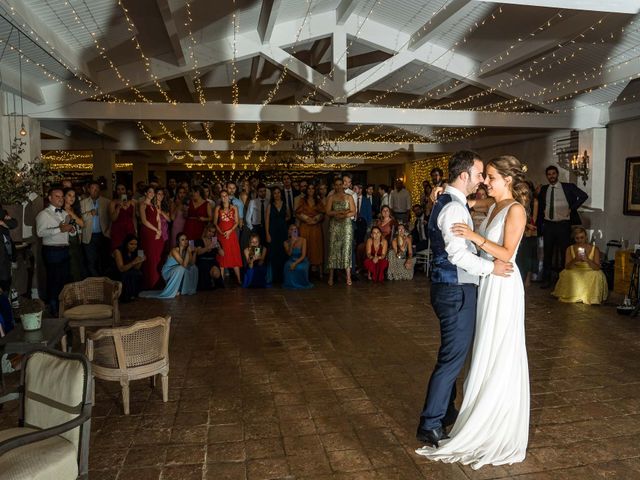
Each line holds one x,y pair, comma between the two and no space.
558,204
419,234
363,214
289,195
374,200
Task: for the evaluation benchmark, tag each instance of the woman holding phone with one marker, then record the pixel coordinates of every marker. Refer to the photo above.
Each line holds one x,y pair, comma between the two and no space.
582,280
179,271
122,211
256,273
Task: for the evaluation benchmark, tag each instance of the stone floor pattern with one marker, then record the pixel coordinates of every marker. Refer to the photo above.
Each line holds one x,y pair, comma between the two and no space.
328,384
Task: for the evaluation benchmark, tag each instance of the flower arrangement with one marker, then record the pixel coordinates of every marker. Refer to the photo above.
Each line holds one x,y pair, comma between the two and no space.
19,178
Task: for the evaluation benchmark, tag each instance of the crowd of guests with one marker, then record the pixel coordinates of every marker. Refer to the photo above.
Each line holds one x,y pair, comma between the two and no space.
165,241
176,240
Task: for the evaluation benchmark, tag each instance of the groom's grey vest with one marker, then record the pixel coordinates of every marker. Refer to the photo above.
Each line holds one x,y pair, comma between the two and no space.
443,270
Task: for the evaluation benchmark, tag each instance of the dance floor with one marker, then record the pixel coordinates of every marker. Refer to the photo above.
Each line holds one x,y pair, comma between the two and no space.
328,384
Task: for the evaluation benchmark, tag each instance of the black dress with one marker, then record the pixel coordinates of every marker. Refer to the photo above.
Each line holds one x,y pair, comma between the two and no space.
205,262
131,279
278,229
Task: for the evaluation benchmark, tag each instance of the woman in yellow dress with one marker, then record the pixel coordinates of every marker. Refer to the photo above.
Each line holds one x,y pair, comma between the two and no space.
582,280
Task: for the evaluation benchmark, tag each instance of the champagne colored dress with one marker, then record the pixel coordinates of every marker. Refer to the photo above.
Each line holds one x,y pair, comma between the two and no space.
581,283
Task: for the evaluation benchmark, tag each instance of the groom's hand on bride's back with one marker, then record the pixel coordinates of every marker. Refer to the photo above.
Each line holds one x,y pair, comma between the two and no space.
502,269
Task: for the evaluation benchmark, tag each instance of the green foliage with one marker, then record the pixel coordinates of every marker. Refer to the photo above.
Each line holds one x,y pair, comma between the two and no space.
19,178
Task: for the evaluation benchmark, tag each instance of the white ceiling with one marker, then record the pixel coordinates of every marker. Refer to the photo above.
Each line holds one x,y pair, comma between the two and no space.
536,56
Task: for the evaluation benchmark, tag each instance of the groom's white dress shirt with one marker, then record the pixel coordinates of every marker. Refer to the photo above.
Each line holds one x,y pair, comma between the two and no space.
461,252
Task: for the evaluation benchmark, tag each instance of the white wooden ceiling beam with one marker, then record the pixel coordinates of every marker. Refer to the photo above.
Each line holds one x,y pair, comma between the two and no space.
612,6
298,69
247,113
43,34
267,19
544,41
431,27
31,92
345,9
168,17
139,143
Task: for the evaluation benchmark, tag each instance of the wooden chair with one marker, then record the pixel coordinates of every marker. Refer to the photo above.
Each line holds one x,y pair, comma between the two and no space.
52,440
92,302
130,353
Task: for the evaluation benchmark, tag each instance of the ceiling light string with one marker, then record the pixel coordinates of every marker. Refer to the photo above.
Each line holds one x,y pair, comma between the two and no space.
192,55
146,61
491,17
325,78
235,94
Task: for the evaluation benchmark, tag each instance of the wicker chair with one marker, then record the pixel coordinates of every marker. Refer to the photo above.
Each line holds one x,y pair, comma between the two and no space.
130,353
92,302
52,440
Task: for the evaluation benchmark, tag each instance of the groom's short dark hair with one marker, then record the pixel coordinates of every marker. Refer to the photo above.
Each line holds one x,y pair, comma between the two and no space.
461,161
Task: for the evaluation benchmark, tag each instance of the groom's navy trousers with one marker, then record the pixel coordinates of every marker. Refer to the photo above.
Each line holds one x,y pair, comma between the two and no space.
455,307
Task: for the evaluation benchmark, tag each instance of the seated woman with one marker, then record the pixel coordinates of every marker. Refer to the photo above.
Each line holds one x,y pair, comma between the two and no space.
128,260
179,271
207,251
296,268
401,259
255,275
376,262
582,280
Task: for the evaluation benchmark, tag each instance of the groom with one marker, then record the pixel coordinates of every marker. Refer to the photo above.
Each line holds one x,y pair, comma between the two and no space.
455,274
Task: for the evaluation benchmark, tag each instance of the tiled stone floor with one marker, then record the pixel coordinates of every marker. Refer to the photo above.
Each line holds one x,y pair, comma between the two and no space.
328,383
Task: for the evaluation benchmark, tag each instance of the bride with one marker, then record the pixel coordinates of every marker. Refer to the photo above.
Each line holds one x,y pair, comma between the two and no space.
493,425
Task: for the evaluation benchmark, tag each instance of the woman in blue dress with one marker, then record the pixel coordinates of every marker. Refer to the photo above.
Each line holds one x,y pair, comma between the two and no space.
179,271
255,275
296,269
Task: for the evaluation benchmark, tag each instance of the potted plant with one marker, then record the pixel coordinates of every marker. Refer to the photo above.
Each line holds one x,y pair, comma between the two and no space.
30,312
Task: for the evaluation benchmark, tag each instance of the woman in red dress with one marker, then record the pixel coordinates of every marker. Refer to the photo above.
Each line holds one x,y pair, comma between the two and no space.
123,217
226,221
376,262
151,239
198,215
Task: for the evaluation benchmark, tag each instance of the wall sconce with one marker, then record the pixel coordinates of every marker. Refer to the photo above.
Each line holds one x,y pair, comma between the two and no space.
580,166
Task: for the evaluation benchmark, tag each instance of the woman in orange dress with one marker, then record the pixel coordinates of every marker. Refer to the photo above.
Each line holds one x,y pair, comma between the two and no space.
310,213
386,223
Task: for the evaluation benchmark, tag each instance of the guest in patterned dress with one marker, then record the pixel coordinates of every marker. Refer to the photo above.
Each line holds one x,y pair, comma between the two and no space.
401,259
310,213
340,208
226,220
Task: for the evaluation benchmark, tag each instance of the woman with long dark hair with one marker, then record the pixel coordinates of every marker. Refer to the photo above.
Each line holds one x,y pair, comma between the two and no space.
276,230
122,211
77,264
150,238
310,213
128,263
199,214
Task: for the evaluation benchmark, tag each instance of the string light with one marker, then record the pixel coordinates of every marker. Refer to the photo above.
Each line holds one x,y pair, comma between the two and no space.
419,170
192,55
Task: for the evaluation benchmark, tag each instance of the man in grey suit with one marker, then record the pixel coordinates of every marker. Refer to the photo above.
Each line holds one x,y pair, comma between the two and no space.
95,234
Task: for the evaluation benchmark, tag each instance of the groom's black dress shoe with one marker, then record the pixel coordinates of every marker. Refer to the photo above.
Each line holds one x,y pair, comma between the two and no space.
431,437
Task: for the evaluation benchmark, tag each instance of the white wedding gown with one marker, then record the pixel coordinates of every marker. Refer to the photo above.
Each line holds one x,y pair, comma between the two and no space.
493,425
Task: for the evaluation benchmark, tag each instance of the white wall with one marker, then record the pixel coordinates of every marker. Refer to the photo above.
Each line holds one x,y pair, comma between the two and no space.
623,140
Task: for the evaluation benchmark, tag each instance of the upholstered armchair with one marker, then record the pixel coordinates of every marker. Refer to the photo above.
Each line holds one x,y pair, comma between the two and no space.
52,439
123,354
93,302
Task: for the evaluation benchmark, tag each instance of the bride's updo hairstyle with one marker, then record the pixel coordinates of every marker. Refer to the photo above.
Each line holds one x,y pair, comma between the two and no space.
510,166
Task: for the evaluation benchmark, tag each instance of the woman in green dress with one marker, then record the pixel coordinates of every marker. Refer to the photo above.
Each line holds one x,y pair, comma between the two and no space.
340,209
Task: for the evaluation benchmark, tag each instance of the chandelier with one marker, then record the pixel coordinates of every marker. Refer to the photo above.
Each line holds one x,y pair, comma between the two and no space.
580,166
312,142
